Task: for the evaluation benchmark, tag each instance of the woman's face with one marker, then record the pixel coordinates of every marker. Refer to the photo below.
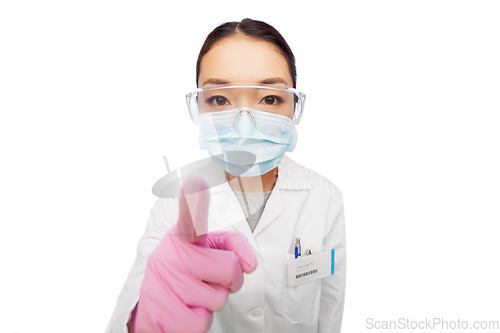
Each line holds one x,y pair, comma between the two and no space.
245,60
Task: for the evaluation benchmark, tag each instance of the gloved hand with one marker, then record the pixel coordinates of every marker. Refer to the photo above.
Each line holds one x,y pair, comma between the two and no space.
188,276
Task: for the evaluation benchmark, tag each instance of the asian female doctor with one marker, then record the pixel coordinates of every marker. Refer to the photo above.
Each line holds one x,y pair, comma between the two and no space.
237,278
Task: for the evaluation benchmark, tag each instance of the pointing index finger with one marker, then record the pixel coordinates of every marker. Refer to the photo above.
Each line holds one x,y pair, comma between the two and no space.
193,210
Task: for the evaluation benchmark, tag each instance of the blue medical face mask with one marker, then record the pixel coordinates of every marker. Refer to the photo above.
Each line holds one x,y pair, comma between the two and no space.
262,138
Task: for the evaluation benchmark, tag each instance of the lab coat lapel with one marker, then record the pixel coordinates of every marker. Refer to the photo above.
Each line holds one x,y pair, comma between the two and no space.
227,206
290,178
273,209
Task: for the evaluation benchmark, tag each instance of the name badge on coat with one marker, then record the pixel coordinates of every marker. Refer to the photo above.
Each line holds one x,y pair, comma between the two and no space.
311,267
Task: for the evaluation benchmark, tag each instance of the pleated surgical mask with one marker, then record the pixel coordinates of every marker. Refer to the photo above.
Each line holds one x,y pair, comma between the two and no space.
266,136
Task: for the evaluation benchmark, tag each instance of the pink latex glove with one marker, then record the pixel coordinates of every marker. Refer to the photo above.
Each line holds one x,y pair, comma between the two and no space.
187,276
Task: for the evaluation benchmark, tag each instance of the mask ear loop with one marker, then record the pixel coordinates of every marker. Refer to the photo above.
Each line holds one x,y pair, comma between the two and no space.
240,111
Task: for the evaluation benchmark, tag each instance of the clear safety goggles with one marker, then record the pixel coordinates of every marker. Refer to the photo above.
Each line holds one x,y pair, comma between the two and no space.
225,101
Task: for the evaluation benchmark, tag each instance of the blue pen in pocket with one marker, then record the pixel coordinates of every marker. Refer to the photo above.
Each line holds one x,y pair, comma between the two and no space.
298,250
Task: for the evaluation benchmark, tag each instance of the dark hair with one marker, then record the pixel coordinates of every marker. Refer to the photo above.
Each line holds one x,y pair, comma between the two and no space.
252,28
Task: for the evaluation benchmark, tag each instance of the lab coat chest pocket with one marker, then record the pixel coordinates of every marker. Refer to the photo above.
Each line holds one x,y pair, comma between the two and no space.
300,302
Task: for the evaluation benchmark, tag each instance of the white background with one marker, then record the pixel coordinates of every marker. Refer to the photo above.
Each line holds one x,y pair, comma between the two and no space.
402,114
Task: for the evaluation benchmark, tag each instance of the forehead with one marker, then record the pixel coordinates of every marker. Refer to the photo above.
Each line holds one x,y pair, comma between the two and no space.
243,59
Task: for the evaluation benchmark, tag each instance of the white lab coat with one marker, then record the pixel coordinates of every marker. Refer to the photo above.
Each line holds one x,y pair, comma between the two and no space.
302,204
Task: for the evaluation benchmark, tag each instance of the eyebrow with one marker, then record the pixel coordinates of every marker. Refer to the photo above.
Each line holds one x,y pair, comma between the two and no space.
214,81
273,80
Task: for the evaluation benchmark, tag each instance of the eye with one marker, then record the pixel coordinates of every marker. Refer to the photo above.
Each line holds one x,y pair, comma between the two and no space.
272,100
218,100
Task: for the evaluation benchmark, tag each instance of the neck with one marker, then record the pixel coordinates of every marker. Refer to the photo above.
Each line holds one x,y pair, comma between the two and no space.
262,183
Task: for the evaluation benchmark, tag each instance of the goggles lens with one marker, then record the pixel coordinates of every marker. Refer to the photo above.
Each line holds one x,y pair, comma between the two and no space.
286,102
